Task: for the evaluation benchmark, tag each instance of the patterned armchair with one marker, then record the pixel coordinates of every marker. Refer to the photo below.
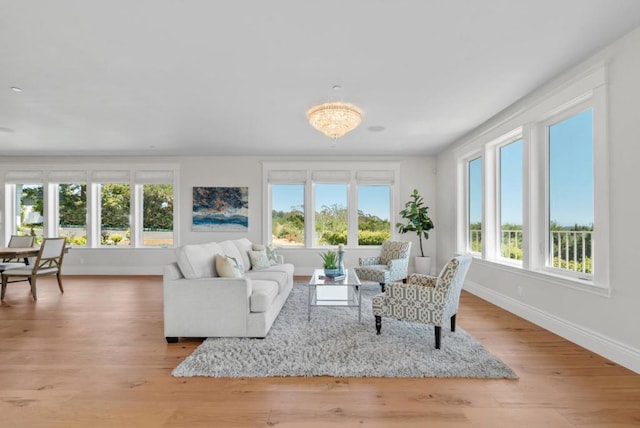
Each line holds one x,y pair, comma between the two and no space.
426,299
391,265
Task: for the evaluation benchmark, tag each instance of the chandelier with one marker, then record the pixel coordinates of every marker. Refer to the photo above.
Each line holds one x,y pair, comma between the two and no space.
334,119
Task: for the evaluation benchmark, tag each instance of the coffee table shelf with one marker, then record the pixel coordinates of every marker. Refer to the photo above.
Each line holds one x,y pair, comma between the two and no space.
327,291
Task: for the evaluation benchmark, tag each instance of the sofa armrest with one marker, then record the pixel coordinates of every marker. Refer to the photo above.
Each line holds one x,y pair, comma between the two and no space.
398,265
192,307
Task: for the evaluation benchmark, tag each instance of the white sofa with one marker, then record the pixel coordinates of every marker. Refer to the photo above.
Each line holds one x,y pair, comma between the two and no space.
199,303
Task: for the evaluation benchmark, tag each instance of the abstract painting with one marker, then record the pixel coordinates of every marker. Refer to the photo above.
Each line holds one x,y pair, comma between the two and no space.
220,209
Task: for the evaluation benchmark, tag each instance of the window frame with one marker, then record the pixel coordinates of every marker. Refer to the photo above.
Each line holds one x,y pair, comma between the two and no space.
497,145
465,243
545,125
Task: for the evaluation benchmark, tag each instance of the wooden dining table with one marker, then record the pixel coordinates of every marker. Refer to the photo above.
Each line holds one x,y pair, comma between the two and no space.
19,252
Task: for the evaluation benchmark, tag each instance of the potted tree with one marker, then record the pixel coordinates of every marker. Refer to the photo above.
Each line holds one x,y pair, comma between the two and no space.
416,214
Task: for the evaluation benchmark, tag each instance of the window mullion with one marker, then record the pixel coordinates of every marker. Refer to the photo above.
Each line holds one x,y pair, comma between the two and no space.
51,208
531,192
490,217
94,206
309,212
136,213
352,212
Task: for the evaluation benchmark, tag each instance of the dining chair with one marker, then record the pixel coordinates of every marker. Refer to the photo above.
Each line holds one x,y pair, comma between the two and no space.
48,262
16,241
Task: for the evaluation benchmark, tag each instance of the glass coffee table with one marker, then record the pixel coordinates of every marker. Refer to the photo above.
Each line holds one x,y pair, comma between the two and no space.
327,291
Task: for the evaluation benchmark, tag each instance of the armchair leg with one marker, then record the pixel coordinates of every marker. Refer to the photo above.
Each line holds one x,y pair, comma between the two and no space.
438,331
172,339
382,286
453,322
4,287
378,324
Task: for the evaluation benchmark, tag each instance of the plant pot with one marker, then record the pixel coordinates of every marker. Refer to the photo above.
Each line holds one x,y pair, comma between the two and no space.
331,272
423,265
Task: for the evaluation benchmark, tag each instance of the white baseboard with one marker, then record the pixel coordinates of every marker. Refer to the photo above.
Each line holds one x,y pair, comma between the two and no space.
613,350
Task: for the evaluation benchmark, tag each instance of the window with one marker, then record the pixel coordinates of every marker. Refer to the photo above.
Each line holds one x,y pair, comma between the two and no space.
30,211
72,213
319,204
510,188
374,208
570,193
534,189
331,216
474,213
126,208
115,211
287,215
157,215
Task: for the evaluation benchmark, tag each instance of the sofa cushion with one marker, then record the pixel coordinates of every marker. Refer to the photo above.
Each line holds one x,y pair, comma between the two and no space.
259,260
286,268
262,296
227,267
244,246
230,249
281,278
197,260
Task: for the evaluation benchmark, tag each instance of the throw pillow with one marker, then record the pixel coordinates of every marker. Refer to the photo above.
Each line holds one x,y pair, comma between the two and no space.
271,255
259,260
258,247
227,267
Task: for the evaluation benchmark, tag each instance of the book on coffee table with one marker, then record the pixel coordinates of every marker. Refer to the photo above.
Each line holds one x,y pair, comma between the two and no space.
334,278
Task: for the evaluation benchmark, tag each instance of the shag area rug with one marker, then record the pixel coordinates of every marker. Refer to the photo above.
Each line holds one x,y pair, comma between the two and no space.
335,344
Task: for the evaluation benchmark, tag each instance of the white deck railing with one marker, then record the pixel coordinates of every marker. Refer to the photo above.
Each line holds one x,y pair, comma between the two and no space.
569,249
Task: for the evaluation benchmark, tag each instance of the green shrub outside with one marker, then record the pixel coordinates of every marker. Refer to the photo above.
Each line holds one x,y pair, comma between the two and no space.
571,265
333,238
369,237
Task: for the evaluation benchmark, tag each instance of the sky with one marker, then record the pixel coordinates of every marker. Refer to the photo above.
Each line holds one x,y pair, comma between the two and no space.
570,175
371,199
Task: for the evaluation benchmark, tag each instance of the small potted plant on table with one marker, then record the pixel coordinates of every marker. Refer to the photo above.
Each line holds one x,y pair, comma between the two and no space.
330,263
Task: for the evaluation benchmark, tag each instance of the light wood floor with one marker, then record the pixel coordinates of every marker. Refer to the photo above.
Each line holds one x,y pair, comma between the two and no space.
96,357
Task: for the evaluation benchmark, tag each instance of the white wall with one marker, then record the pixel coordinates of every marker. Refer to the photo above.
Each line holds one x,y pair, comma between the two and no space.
609,324
415,172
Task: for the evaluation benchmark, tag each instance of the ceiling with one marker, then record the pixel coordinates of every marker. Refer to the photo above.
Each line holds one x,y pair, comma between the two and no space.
199,77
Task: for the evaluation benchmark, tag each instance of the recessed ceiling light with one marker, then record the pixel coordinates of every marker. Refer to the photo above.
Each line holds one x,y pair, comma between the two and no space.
376,128
16,89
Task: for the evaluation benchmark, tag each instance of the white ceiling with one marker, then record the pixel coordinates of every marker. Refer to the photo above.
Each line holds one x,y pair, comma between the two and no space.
202,77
